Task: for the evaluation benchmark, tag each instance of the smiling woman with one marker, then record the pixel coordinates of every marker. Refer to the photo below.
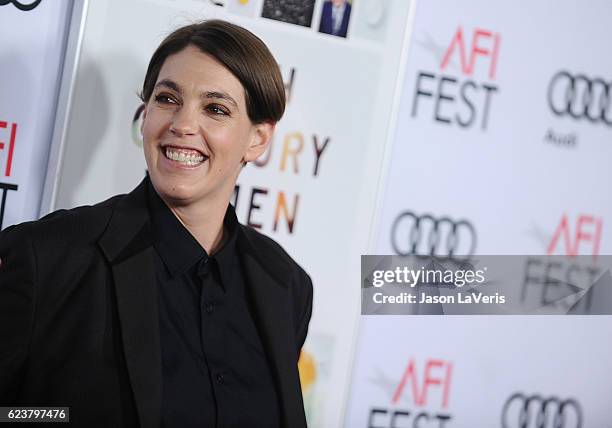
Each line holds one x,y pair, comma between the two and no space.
157,308
213,94
197,135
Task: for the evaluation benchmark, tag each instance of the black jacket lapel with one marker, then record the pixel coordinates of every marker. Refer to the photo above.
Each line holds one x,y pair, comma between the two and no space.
273,316
128,247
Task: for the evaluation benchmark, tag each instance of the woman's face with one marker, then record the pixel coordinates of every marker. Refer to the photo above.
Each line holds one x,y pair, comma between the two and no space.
196,130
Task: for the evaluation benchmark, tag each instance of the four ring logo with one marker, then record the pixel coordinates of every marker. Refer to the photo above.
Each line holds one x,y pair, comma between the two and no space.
21,5
581,97
521,411
426,235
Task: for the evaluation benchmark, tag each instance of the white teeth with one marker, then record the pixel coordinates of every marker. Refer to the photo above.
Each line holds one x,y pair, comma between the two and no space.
188,158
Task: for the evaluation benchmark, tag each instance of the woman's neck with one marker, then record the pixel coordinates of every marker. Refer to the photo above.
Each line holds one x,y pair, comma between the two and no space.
204,221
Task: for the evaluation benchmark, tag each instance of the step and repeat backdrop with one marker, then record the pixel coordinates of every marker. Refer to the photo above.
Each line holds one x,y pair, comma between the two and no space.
412,127
501,146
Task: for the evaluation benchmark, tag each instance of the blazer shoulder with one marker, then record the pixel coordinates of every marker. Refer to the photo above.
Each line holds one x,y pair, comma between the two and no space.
273,254
272,251
85,222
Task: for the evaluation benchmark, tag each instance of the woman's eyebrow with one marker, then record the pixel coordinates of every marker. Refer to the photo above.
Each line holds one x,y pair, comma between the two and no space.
219,95
170,84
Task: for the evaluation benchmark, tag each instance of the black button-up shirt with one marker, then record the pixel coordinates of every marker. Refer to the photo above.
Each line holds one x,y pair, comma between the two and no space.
215,372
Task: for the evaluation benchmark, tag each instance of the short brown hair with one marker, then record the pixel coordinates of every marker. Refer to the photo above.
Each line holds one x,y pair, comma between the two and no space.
243,53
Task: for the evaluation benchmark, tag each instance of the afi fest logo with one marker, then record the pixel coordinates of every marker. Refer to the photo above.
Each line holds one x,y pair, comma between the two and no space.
572,237
462,99
420,399
8,135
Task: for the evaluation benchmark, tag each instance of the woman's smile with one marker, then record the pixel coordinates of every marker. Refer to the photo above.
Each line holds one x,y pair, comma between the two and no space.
183,157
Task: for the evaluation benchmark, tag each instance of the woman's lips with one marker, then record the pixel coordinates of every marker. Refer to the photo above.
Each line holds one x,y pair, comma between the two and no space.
183,156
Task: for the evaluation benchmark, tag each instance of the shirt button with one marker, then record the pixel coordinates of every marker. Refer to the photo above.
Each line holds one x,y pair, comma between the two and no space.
203,268
220,378
208,308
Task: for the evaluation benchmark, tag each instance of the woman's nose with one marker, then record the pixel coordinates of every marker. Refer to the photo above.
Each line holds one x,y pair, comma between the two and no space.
184,122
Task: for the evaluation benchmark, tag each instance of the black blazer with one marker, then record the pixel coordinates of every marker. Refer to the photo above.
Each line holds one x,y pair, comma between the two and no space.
79,319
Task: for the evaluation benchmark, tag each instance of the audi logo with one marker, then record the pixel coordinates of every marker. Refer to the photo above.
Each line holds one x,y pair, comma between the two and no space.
426,235
581,97
21,5
521,411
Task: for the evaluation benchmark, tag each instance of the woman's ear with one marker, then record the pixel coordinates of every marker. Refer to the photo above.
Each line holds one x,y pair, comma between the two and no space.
260,139
144,115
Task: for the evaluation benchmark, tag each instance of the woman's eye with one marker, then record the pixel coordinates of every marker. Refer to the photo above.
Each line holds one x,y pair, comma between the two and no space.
164,99
217,110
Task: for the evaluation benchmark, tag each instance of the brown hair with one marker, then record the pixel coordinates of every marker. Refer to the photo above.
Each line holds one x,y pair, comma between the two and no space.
243,53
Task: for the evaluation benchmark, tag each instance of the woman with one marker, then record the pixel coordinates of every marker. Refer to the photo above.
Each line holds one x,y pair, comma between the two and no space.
157,308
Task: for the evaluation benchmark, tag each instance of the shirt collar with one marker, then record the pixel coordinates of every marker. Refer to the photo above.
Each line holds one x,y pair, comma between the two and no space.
179,250
226,257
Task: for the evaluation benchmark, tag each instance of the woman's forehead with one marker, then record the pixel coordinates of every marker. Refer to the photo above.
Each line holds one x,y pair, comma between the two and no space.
195,71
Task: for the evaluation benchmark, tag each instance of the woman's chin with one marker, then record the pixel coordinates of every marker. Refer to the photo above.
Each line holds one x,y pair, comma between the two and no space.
179,197
174,191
